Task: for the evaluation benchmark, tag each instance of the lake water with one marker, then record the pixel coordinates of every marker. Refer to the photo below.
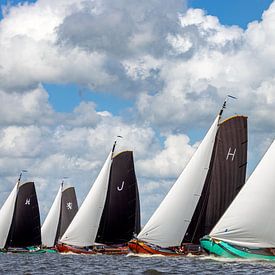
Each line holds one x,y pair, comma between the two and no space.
101,264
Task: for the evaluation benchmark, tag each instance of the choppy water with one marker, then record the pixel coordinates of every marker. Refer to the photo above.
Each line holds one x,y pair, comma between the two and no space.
101,264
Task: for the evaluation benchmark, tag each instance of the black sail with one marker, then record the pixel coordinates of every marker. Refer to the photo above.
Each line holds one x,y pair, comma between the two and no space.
225,178
25,228
121,214
69,208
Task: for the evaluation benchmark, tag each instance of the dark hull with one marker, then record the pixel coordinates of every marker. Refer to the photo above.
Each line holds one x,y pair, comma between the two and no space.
140,247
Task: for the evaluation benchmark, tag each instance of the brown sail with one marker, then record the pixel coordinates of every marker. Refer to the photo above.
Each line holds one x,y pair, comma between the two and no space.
225,178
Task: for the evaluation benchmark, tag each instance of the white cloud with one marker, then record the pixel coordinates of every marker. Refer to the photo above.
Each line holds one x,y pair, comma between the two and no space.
176,66
25,109
170,161
52,145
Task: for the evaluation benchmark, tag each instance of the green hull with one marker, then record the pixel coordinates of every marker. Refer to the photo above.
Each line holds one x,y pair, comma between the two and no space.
48,250
30,249
223,249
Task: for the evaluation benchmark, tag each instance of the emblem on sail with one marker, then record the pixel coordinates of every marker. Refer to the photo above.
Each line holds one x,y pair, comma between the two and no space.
28,202
121,187
60,216
69,206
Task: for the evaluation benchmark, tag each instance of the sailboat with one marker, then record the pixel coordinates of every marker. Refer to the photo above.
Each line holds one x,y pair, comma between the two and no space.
20,220
224,180
59,217
246,230
110,214
201,194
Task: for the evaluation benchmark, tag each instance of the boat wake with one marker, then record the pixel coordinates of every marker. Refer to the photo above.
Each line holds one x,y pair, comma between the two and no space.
235,260
140,255
77,254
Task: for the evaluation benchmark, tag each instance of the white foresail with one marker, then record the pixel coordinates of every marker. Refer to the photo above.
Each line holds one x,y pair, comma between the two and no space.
6,214
169,223
250,219
50,225
83,228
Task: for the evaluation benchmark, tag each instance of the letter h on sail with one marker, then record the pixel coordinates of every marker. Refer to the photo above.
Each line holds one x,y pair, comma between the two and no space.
230,154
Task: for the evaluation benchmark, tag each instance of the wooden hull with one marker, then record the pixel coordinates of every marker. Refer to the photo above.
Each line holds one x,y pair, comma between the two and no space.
63,248
140,247
108,250
226,250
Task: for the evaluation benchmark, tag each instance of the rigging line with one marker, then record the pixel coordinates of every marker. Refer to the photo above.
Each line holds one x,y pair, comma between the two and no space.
114,146
224,103
20,176
62,182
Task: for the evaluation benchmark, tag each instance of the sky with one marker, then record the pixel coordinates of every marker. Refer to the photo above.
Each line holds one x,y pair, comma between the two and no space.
74,74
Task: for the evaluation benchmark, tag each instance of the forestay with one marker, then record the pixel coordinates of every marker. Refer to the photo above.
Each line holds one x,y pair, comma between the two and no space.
250,219
169,223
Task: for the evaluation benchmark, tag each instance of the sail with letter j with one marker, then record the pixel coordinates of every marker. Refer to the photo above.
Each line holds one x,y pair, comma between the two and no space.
110,214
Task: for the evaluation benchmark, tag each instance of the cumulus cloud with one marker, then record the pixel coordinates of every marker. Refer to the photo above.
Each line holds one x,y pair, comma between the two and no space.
176,65
170,161
212,61
25,109
51,145
154,51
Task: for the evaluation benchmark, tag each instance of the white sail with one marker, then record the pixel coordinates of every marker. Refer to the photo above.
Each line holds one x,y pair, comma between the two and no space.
83,228
170,221
50,225
6,214
250,219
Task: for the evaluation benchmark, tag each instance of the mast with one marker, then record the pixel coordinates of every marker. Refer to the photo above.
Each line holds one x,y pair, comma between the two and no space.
25,228
250,220
121,215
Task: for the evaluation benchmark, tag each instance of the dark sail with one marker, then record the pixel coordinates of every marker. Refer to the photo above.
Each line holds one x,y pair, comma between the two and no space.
121,214
225,178
25,228
68,209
